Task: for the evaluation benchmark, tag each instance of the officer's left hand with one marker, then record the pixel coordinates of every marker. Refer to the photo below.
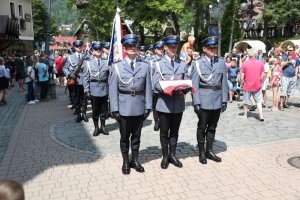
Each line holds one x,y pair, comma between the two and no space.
224,107
186,89
147,113
176,91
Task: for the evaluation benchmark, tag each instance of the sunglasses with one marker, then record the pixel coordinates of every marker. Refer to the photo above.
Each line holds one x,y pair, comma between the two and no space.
97,49
130,46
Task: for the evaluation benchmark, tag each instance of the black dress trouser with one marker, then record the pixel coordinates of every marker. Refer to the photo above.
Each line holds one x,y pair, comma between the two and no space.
207,124
99,107
80,99
169,124
130,129
154,102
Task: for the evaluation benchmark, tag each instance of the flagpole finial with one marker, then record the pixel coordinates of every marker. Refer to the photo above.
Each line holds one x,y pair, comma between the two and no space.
118,10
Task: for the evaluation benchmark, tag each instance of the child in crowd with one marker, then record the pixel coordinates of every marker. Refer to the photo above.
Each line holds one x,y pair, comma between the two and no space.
275,83
232,76
30,81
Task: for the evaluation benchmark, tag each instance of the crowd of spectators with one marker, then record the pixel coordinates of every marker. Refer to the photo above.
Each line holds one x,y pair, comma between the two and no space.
30,70
254,72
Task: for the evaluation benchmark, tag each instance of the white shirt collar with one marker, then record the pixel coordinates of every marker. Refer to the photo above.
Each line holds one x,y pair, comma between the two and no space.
169,59
129,61
209,59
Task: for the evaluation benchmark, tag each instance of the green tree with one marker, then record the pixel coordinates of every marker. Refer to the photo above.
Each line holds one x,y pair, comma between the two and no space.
278,13
230,16
40,17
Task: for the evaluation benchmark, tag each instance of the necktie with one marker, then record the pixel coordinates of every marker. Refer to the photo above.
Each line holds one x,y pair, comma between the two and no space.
172,63
98,61
131,65
211,62
79,56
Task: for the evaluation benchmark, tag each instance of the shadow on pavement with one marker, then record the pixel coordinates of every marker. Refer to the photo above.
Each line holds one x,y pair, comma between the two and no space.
184,150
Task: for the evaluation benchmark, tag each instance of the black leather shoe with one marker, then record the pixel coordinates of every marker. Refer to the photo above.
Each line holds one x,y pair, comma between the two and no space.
137,166
202,160
96,132
202,157
156,126
175,161
78,119
84,117
103,130
126,168
210,155
164,163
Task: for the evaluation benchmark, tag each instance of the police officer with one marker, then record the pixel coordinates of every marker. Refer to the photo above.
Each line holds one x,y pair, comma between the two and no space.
105,47
142,52
159,52
130,100
73,71
95,82
170,108
210,97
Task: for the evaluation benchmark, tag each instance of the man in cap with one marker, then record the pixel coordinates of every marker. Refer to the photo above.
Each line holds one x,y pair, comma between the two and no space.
130,100
170,108
142,52
158,54
95,82
73,71
105,47
210,97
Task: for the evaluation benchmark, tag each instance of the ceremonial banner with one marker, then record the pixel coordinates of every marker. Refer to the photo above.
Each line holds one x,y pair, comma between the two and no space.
116,52
169,86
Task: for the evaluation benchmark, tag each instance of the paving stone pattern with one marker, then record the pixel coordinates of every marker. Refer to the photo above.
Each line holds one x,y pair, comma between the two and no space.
9,116
233,131
45,155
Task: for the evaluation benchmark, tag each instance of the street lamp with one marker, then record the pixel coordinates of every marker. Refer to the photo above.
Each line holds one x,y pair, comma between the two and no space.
48,29
219,29
210,12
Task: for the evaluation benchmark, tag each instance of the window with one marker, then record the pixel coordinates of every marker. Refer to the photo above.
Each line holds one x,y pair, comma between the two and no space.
21,11
12,10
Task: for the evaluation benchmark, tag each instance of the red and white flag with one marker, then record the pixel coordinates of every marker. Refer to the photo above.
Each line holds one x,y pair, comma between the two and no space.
169,86
116,50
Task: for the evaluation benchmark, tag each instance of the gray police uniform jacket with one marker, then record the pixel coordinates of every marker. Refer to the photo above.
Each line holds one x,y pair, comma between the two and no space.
166,103
210,99
70,66
95,77
139,79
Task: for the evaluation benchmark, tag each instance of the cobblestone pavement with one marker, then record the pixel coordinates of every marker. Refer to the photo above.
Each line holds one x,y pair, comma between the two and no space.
233,131
9,116
55,158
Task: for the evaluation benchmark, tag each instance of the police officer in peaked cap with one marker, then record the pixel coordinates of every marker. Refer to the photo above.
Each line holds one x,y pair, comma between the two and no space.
210,97
158,54
170,108
105,47
95,82
142,52
73,71
130,100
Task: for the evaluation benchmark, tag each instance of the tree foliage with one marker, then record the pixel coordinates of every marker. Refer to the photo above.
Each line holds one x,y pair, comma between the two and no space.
230,14
40,17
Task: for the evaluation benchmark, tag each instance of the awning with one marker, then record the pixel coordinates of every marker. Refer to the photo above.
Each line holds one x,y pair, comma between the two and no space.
248,44
290,43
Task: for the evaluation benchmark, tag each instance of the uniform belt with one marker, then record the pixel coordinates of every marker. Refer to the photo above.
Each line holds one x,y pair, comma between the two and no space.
98,81
212,87
132,92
